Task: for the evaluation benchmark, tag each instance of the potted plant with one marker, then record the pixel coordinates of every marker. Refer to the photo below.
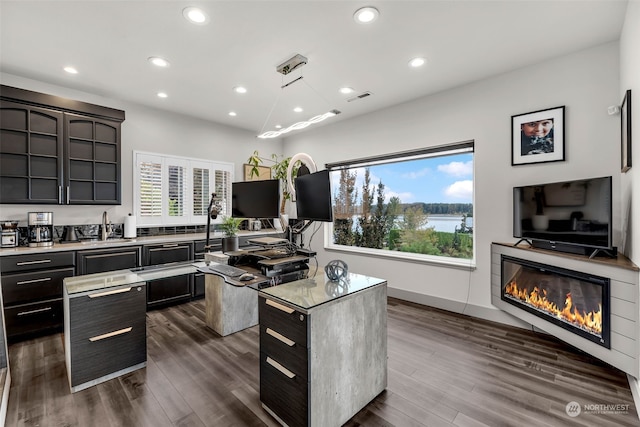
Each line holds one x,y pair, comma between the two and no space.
230,227
279,171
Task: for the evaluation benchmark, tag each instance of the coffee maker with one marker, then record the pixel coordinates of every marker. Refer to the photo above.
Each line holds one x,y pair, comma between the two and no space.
40,229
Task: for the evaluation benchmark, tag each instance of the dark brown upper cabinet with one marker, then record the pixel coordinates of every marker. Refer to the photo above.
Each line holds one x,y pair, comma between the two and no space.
58,151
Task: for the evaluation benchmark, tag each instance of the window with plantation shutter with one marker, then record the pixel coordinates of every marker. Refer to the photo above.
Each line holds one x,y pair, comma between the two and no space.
176,190
150,188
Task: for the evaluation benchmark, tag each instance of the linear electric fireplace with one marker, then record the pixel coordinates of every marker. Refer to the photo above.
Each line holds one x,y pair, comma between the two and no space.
575,301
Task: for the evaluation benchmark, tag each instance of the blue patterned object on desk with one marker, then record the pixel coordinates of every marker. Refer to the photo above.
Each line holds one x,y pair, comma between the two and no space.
336,269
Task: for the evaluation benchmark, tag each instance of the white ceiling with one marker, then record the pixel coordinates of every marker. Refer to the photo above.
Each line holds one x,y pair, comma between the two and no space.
464,41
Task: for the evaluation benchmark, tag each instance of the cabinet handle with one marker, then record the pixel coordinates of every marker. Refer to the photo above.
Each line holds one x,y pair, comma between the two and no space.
111,334
280,368
40,310
59,194
26,282
280,337
104,294
68,194
111,254
40,261
170,245
280,306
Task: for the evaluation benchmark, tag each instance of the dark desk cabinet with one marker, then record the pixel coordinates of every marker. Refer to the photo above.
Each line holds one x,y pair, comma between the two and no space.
101,260
199,251
32,292
171,290
57,151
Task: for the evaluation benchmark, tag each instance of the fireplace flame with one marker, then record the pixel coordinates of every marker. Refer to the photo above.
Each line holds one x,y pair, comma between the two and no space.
591,321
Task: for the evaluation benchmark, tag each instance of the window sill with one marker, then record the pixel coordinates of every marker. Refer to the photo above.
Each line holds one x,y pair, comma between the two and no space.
461,263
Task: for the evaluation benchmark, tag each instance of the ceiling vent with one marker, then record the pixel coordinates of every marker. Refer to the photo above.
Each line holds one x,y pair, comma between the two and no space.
362,95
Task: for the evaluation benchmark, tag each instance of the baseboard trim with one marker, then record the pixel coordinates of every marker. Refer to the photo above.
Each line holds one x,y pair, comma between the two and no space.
635,391
486,313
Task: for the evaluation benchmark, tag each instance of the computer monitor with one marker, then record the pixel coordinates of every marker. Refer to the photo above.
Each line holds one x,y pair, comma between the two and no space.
313,196
255,199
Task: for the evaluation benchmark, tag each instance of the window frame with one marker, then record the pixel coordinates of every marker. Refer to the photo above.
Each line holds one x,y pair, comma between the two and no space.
189,164
428,152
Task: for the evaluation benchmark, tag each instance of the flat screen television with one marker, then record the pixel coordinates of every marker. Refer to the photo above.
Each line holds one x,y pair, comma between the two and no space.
313,196
571,216
255,199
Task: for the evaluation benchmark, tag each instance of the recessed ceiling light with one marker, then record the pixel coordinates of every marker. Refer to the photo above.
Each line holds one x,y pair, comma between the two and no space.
417,62
158,62
162,95
346,90
366,15
71,70
240,89
278,126
232,113
195,15
298,110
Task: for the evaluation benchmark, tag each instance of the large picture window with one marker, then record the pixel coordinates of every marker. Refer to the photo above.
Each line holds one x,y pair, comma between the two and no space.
415,205
176,190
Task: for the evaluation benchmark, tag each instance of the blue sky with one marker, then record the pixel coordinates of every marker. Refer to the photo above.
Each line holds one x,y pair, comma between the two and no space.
447,179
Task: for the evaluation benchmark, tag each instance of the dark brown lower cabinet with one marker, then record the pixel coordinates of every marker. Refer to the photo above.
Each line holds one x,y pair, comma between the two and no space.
32,292
101,260
167,291
106,334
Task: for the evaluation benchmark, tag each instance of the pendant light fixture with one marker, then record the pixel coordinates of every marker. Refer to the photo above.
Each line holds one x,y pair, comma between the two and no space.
285,68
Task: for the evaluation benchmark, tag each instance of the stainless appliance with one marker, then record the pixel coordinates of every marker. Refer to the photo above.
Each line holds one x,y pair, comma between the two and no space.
40,228
10,233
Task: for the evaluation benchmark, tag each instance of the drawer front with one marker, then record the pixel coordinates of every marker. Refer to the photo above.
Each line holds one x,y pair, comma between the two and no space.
166,253
199,247
171,289
286,397
39,285
92,359
98,261
290,323
280,347
24,263
106,311
31,318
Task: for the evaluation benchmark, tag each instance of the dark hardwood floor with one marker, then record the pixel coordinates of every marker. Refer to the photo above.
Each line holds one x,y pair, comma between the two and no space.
444,370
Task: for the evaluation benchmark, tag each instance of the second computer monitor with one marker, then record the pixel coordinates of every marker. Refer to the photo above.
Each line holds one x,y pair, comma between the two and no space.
313,196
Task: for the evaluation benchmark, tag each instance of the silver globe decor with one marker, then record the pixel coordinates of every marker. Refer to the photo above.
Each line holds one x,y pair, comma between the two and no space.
336,269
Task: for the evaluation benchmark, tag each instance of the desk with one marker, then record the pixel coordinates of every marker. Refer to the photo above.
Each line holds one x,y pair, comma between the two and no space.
323,348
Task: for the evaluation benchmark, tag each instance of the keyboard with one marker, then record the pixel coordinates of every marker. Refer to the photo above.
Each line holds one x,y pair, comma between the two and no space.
226,270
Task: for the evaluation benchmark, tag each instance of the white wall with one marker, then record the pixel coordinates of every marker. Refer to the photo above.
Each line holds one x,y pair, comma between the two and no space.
630,79
144,129
586,83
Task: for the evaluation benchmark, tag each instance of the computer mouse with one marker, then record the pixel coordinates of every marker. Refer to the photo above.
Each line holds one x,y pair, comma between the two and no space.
246,277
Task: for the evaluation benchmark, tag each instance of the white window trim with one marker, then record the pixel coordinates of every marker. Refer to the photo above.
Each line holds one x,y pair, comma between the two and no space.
189,164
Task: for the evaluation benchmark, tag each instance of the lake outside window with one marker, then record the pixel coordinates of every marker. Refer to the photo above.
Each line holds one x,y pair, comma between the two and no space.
416,204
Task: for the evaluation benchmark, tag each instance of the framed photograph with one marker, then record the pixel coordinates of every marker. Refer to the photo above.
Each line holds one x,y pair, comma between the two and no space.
625,131
265,173
537,137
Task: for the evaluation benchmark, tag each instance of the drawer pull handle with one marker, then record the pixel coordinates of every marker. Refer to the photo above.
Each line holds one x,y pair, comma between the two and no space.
40,261
40,310
280,306
280,337
104,294
111,254
111,334
280,368
170,245
26,282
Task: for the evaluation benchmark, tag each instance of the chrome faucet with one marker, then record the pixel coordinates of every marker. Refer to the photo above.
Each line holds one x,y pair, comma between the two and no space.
106,227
